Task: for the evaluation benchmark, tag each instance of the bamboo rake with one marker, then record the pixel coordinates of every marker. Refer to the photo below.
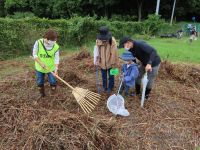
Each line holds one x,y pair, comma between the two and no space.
85,98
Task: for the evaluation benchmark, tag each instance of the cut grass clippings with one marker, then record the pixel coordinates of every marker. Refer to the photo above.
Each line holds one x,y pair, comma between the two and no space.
169,120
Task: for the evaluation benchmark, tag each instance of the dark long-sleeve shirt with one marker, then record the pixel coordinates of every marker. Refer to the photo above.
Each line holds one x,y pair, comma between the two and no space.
145,53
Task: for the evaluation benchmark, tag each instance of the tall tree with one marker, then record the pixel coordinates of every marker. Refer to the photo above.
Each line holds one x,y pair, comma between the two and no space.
194,6
42,8
66,8
2,9
185,9
12,6
104,5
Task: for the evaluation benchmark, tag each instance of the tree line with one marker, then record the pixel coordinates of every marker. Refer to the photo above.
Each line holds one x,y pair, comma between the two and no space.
132,9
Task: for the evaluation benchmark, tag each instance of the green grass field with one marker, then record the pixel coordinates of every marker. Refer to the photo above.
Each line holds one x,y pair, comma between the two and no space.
175,50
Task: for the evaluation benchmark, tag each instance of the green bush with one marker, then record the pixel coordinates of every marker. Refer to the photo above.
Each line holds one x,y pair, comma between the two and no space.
17,36
152,25
123,18
19,15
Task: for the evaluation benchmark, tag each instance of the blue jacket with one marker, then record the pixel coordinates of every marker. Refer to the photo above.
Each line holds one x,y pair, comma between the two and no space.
130,74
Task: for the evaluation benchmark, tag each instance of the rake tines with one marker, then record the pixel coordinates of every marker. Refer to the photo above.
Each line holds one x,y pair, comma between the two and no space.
86,99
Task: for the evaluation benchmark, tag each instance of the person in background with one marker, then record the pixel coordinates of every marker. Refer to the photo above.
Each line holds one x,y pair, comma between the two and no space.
106,57
193,34
46,56
189,27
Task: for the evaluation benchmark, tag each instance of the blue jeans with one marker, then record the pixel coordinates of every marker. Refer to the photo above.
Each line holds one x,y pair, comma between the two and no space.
105,73
40,79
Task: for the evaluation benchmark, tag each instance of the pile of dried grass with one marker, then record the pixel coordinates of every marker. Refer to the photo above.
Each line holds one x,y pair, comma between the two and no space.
72,77
35,129
57,122
183,73
169,120
83,54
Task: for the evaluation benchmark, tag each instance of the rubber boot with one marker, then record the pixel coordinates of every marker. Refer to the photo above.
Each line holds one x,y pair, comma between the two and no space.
137,89
53,90
147,93
42,91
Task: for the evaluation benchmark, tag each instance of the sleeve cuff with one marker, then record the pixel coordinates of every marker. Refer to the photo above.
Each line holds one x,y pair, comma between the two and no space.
57,62
35,56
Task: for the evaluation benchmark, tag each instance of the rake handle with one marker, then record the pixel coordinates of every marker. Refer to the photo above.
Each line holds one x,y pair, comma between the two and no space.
62,80
39,62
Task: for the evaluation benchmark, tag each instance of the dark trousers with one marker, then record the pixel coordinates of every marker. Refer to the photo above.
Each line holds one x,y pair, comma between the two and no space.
105,74
151,75
125,89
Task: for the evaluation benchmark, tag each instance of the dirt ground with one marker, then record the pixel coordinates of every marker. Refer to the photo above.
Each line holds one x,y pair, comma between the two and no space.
169,120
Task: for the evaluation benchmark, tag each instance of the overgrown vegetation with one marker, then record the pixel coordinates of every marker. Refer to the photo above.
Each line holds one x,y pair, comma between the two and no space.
102,8
18,35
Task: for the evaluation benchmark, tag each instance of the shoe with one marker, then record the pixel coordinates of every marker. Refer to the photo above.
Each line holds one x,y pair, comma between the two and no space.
121,92
104,90
42,91
147,93
137,89
53,90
